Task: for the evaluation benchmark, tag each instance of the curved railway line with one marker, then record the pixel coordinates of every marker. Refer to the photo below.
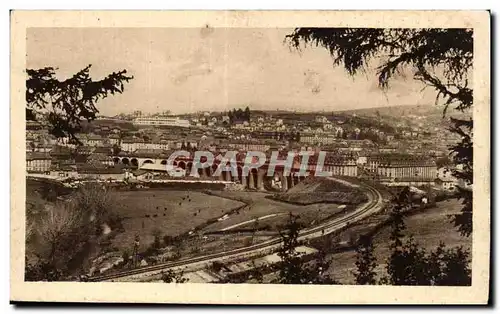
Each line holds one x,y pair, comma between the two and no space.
328,227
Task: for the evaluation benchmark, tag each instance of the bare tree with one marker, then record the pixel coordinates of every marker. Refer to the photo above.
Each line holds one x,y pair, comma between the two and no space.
69,232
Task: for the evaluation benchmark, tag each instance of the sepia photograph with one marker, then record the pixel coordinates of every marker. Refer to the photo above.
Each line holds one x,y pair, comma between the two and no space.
227,153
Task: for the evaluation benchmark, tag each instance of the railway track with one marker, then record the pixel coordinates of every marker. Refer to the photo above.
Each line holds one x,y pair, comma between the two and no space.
317,231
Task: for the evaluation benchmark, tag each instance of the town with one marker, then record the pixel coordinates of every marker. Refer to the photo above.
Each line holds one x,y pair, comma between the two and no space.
136,147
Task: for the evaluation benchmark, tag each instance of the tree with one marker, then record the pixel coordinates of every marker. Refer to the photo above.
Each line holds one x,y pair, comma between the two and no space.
94,201
64,104
247,114
292,267
116,149
156,245
442,162
169,276
61,232
366,262
69,231
439,58
126,257
409,264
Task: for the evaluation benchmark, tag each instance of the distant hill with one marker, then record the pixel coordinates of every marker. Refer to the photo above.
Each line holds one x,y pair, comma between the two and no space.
398,110
405,111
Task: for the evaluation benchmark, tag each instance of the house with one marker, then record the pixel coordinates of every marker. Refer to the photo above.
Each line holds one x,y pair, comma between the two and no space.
106,149
114,139
38,162
43,147
149,153
246,145
94,140
338,165
65,171
116,130
403,167
97,158
141,175
102,172
61,153
149,172
131,144
321,119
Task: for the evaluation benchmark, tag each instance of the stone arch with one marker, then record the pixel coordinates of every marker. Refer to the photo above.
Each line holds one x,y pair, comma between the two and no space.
147,161
116,160
163,162
125,161
134,162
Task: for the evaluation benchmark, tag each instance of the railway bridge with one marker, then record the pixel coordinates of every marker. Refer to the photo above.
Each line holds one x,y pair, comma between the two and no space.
255,178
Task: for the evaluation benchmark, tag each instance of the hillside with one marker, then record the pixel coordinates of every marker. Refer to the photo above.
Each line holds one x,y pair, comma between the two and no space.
323,190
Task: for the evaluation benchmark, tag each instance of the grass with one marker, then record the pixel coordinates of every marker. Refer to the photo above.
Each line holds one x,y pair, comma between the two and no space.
323,190
260,205
428,228
176,212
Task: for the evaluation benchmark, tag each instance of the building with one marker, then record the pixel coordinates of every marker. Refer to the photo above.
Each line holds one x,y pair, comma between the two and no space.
38,162
42,147
87,171
131,144
98,158
341,165
162,121
93,140
318,138
402,167
246,145
338,165
114,139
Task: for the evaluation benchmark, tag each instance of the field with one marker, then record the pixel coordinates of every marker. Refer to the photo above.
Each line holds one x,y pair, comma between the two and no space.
259,205
428,228
170,212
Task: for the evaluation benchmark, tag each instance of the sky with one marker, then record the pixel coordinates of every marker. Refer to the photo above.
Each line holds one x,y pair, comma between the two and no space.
213,69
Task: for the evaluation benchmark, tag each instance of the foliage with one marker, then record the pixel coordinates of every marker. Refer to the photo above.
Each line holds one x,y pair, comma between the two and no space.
126,257
169,276
68,232
95,202
65,103
63,234
293,269
156,240
439,58
366,262
239,115
116,149
409,264
443,162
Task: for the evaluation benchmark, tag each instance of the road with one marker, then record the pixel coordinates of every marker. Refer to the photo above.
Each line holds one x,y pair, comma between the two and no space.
374,204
